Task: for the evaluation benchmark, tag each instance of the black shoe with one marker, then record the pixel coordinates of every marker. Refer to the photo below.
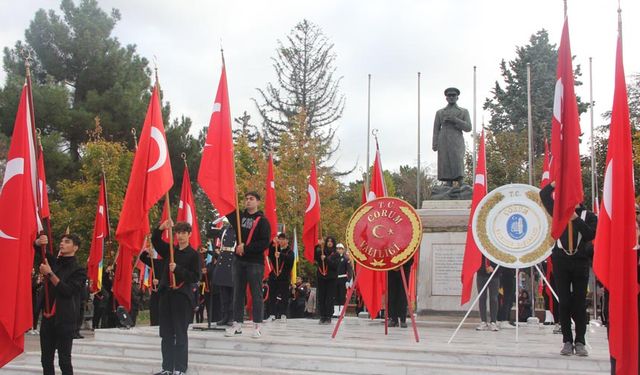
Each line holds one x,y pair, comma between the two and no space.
403,324
223,322
164,372
393,323
321,321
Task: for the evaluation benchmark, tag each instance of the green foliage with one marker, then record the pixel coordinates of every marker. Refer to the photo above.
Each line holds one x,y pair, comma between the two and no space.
76,207
79,71
507,155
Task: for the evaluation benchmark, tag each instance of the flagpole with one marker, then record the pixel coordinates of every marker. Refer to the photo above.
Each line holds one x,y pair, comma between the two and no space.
474,120
593,177
418,168
529,124
167,202
32,118
368,130
235,177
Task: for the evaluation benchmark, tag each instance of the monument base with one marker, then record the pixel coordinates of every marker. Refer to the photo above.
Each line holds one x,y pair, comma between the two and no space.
441,253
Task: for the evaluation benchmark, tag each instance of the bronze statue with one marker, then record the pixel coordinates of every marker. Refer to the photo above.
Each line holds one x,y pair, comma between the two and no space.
448,140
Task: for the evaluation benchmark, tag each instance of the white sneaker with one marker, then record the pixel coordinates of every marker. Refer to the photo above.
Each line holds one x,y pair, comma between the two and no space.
283,318
257,331
494,327
482,327
271,318
235,329
505,325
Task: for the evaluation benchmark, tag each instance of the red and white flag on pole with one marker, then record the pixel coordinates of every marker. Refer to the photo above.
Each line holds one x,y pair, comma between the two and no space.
311,227
372,284
615,258
270,211
565,133
18,230
546,166
472,256
187,210
217,174
151,177
100,236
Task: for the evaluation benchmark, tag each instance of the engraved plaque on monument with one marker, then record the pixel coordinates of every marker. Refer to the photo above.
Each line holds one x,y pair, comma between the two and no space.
446,265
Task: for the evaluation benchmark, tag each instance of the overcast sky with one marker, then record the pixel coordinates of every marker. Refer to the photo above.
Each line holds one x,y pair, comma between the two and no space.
392,40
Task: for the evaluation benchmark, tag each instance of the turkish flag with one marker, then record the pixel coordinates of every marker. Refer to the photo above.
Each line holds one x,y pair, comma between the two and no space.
615,258
18,230
372,284
565,133
217,174
151,178
270,212
187,210
472,256
311,226
100,235
546,166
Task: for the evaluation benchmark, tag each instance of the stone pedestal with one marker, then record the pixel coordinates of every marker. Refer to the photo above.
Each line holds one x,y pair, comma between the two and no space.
441,253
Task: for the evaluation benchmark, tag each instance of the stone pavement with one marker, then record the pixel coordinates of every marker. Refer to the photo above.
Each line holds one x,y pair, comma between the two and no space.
301,346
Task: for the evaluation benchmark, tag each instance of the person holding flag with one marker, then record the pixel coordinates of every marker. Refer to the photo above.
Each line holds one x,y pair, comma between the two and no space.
248,264
571,258
281,258
176,302
326,258
66,280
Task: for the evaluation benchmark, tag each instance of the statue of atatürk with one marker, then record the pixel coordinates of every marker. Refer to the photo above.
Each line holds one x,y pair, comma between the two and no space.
448,140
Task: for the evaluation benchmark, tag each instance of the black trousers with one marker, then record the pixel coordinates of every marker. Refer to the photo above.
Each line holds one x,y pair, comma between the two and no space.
50,341
226,303
341,290
326,295
154,307
397,296
176,313
278,297
571,280
507,281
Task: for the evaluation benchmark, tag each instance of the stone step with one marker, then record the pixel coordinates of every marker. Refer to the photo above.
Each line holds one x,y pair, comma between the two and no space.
87,364
352,343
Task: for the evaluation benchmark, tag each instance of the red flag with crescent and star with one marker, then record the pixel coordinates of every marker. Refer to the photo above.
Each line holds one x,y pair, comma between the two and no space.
151,177
18,229
565,143
217,174
472,259
187,210
311,227
372,284
100,236
615,259
270,211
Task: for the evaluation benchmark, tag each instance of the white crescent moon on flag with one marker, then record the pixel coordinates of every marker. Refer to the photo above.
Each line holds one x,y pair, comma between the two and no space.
101,212
371,196
545,175
312,198
14,168
557,101
479,179
216,107
272,184
162,148
607,190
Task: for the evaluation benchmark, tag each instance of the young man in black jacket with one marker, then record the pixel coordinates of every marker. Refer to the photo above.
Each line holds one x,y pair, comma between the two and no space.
281,258
326,258
177,299
65,280
571,272
248,263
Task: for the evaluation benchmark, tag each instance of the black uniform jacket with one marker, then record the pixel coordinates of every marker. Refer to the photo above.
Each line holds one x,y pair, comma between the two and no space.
64,297
187,272
284,264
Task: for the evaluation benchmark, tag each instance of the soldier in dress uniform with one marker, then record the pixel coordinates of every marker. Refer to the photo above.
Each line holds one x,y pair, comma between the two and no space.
222,275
